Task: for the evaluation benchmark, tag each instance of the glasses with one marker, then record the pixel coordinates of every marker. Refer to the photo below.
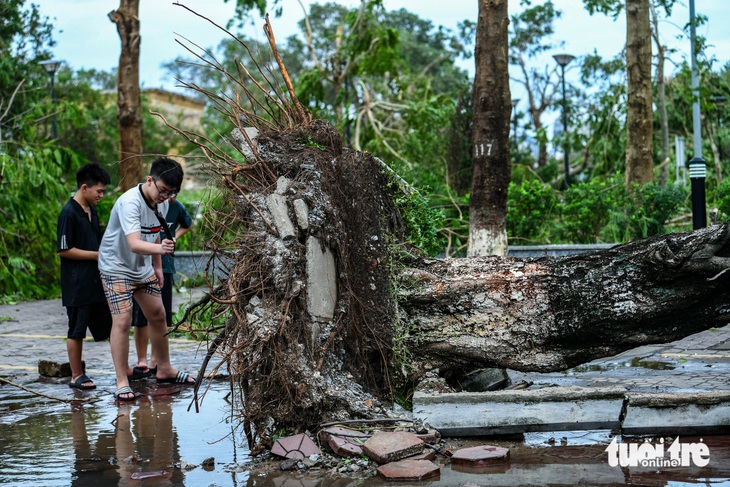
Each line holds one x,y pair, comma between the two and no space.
165,194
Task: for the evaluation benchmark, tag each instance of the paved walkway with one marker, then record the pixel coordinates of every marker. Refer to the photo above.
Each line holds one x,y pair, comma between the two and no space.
697,363
31,331
36,330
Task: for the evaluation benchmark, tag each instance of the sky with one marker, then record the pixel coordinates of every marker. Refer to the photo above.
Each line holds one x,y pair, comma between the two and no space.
86,38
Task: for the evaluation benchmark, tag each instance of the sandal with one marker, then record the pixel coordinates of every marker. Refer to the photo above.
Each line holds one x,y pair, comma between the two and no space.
180,378
126,390
79,383
139,373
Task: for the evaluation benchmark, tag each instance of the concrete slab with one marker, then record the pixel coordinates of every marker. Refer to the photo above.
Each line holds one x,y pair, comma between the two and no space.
409,470
252,133
282,185
510,412
480,456
301,212
385,447
683,414
321,280
280,213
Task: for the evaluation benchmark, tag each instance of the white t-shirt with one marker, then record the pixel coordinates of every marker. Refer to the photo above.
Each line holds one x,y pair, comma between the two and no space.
130,214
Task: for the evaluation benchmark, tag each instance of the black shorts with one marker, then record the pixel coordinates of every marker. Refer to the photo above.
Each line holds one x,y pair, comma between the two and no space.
96,317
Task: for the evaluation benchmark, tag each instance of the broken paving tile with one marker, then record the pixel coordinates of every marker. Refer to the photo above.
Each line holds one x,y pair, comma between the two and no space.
409,470
480,456
431,436
296,447
384,447
426,454
344,441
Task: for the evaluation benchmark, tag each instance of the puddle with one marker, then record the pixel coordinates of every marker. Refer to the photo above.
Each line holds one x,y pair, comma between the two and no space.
101,444
638,362
651,364
44,442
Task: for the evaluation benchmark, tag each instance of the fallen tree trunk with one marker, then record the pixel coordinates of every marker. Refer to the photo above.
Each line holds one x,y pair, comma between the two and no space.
326,314
550,314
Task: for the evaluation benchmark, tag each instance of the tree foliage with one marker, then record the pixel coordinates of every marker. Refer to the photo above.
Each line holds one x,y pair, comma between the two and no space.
531,31
31,169
390,82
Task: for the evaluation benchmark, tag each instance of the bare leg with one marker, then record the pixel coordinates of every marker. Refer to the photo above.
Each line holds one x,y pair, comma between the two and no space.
141,337
155,312
157,327
119,344
74,347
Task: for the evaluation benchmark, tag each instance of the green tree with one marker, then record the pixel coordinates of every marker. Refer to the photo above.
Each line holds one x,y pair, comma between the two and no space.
603,113
25,39
639,124
530,30
32,169
639,116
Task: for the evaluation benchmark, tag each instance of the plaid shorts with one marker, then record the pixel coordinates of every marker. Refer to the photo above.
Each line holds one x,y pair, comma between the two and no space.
119,291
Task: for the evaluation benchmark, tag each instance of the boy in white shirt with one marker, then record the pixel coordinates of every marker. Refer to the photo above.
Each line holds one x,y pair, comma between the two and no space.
130,266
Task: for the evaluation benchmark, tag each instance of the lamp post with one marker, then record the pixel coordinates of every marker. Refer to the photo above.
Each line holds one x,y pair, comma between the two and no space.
51,67
697,165
563,60
514,129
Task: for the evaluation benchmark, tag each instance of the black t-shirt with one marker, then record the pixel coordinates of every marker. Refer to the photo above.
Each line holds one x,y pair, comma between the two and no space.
80,281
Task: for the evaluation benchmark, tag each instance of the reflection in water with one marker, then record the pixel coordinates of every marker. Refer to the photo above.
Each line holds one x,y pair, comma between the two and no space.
141,444
49,444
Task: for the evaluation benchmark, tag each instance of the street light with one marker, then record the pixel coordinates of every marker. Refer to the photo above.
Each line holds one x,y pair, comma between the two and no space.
563,60
697,165
514,129
51,67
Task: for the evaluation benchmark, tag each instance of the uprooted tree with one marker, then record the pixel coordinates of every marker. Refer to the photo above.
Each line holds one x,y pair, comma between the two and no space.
329,310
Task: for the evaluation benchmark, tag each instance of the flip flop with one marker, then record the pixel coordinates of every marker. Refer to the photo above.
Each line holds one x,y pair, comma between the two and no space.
180,378
79,383
139,374
126,390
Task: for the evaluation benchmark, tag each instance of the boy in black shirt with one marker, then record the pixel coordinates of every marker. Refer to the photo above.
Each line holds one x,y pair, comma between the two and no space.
78,238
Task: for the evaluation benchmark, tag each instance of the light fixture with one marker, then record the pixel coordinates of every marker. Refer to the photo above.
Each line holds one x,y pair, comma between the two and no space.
563,60
51,67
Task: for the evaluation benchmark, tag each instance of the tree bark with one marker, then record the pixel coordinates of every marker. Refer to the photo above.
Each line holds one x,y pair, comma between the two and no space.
661,89
640,117
129,113
550,314
492,107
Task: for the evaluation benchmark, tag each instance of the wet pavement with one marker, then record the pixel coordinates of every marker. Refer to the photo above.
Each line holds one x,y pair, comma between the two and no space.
161,440
36,330
697,363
